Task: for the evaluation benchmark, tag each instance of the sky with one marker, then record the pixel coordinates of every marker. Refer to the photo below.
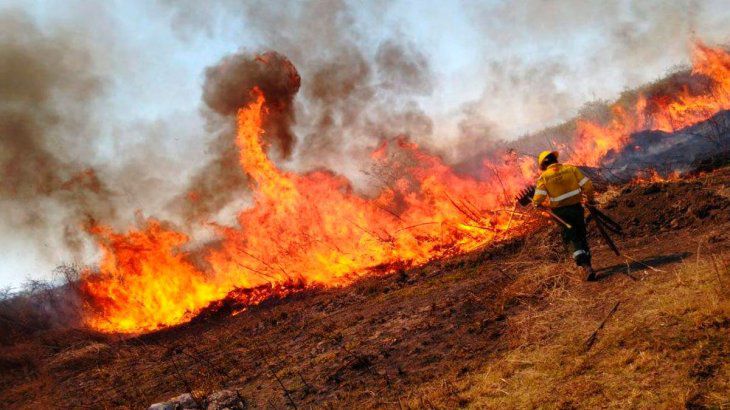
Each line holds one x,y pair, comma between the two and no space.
491,69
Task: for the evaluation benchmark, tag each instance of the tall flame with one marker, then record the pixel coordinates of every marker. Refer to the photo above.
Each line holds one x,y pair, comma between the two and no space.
315,230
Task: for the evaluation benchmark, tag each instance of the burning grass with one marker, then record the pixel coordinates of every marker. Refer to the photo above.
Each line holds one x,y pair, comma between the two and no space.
305,228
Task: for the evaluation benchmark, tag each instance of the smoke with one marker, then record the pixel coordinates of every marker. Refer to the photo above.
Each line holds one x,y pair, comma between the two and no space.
55,180
361,85
679,151
67,159
403,68
356,91
538,73
47,86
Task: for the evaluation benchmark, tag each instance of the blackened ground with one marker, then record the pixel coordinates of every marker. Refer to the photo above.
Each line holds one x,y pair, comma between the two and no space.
666,206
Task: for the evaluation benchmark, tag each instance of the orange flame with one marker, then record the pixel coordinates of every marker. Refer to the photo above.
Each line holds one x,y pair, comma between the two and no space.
314,230
650,175
663,111
144,275
311,228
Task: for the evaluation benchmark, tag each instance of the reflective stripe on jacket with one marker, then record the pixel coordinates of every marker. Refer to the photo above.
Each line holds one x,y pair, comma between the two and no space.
562,185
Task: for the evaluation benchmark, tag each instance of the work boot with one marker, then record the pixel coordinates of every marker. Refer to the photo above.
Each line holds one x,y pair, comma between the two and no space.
591,274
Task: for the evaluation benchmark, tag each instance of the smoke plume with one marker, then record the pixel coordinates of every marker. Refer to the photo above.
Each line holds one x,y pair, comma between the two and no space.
47,85
368,74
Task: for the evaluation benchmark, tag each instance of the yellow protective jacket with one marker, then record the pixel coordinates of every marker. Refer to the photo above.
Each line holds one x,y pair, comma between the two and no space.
562,185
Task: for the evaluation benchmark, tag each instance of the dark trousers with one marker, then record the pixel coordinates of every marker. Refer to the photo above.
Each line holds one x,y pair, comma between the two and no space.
575,238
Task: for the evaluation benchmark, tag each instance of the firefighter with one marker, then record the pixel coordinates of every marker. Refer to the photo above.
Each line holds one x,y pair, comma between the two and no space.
565,188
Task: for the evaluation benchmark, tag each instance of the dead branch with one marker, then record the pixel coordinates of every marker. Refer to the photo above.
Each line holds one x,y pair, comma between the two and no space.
628,272
499,178
371,233
460,209
504,273
416,225
390,212
643,264
287,393
308,387
592,339
186,384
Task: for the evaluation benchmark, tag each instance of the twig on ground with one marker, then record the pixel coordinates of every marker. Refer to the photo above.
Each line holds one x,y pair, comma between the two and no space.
416,225
281,384
511,216
503,272
188,387
643,264
592,339
363,360
466,213
308,387
628,272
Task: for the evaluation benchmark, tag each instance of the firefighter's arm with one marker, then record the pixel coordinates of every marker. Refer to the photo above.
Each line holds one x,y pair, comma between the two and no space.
585,184
540,193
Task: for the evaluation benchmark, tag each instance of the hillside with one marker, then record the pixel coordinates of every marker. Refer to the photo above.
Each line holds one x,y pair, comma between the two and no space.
505,326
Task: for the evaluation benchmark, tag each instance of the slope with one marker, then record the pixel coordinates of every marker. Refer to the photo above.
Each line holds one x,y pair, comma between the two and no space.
505,326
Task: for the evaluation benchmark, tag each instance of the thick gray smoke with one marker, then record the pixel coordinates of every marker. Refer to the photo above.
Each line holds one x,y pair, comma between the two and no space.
360,85
353,101
354,94
47,86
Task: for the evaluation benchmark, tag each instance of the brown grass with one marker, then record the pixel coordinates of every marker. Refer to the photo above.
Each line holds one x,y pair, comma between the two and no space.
667,346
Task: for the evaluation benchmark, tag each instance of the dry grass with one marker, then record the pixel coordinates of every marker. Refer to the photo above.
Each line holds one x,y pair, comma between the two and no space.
666,346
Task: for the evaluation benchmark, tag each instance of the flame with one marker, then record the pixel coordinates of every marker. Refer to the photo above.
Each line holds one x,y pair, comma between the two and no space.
313,230
148,277
662,111
651,175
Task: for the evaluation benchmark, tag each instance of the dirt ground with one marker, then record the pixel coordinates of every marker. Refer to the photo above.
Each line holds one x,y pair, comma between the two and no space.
453,333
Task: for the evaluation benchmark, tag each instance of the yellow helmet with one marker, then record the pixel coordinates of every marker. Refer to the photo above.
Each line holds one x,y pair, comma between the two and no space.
543,155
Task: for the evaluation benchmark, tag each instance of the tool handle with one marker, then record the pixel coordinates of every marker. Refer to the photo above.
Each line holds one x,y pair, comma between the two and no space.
555,217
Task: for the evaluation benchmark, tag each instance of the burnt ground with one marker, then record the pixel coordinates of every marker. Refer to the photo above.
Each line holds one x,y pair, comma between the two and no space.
433,336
